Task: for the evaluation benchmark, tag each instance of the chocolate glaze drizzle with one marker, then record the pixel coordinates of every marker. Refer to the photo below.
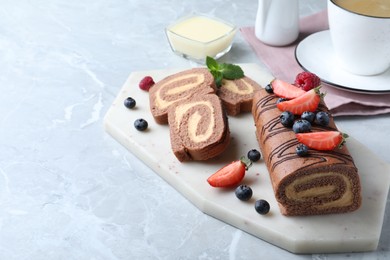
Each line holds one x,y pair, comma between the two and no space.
286,150
278,144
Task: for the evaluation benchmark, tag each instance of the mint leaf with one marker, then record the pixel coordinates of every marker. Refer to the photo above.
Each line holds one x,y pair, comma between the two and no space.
218,76
231,71
223,71
212,64
218,79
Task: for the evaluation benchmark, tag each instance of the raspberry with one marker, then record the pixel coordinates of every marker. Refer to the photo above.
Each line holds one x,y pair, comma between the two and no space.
146,83
307,80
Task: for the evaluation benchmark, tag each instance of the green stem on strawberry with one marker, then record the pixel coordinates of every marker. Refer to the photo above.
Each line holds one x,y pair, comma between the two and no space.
344,137
317,90
246,162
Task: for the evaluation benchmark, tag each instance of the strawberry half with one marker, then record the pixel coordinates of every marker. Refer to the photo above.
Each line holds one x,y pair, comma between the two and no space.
323,141
286,90
306,102
231,174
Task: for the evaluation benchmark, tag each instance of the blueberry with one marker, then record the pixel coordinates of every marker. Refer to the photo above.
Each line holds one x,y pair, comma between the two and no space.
280,100
309,116
301,126
129,102
141,124
243,192
302,150
322,118
269,89
262,207
254,155
287,118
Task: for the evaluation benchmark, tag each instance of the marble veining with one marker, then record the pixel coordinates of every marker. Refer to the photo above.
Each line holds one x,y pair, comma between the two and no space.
67,189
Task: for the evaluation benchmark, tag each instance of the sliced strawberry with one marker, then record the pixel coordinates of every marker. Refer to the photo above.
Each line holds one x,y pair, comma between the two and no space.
231,174
323,141
286,90
306,102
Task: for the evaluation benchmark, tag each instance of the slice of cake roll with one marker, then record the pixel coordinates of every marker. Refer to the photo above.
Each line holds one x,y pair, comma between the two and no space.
176,87
237,95
198,128
322,182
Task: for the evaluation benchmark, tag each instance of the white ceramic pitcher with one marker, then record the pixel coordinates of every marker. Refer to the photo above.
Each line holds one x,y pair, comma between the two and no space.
277,22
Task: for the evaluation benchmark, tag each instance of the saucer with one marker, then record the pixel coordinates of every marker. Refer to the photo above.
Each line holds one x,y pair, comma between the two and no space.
315,54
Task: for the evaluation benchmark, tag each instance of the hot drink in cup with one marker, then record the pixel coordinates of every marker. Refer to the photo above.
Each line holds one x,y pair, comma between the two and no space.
360,33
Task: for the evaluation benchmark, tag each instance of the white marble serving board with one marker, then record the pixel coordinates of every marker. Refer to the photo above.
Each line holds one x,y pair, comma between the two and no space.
351,232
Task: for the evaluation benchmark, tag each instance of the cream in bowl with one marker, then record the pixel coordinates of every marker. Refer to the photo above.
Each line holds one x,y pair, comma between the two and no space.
198,36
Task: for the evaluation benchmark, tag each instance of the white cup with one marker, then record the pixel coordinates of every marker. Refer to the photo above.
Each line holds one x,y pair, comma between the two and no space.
360,41
277,21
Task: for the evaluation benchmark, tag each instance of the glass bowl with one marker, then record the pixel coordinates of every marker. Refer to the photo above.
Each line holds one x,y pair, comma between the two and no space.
197,36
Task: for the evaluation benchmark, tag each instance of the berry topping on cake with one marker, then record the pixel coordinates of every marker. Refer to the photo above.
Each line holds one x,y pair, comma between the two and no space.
301,126
323,141
146,83
322,118
307,80
281,100
307,102
287,118
302,150
309,116
231,174
286,90
269,89
243,192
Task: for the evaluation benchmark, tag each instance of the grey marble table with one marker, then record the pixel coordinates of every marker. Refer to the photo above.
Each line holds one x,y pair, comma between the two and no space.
70,191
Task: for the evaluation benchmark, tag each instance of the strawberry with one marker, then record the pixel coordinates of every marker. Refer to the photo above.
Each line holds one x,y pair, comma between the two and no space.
307,102
286,90
231,174
323,141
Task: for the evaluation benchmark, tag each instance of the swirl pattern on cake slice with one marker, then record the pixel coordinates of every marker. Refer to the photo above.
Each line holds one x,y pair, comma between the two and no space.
176,87
237,95
323,182
198,128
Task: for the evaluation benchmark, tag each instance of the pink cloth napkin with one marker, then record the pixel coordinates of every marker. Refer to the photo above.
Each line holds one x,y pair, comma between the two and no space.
282,63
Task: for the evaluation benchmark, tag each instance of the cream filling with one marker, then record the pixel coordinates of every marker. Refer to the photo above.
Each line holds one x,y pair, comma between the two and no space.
194,120
344,200
179,88
232,87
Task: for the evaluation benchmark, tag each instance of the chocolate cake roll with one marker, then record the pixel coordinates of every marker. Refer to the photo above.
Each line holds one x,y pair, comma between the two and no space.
322,182
182,85
198,128
237,95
